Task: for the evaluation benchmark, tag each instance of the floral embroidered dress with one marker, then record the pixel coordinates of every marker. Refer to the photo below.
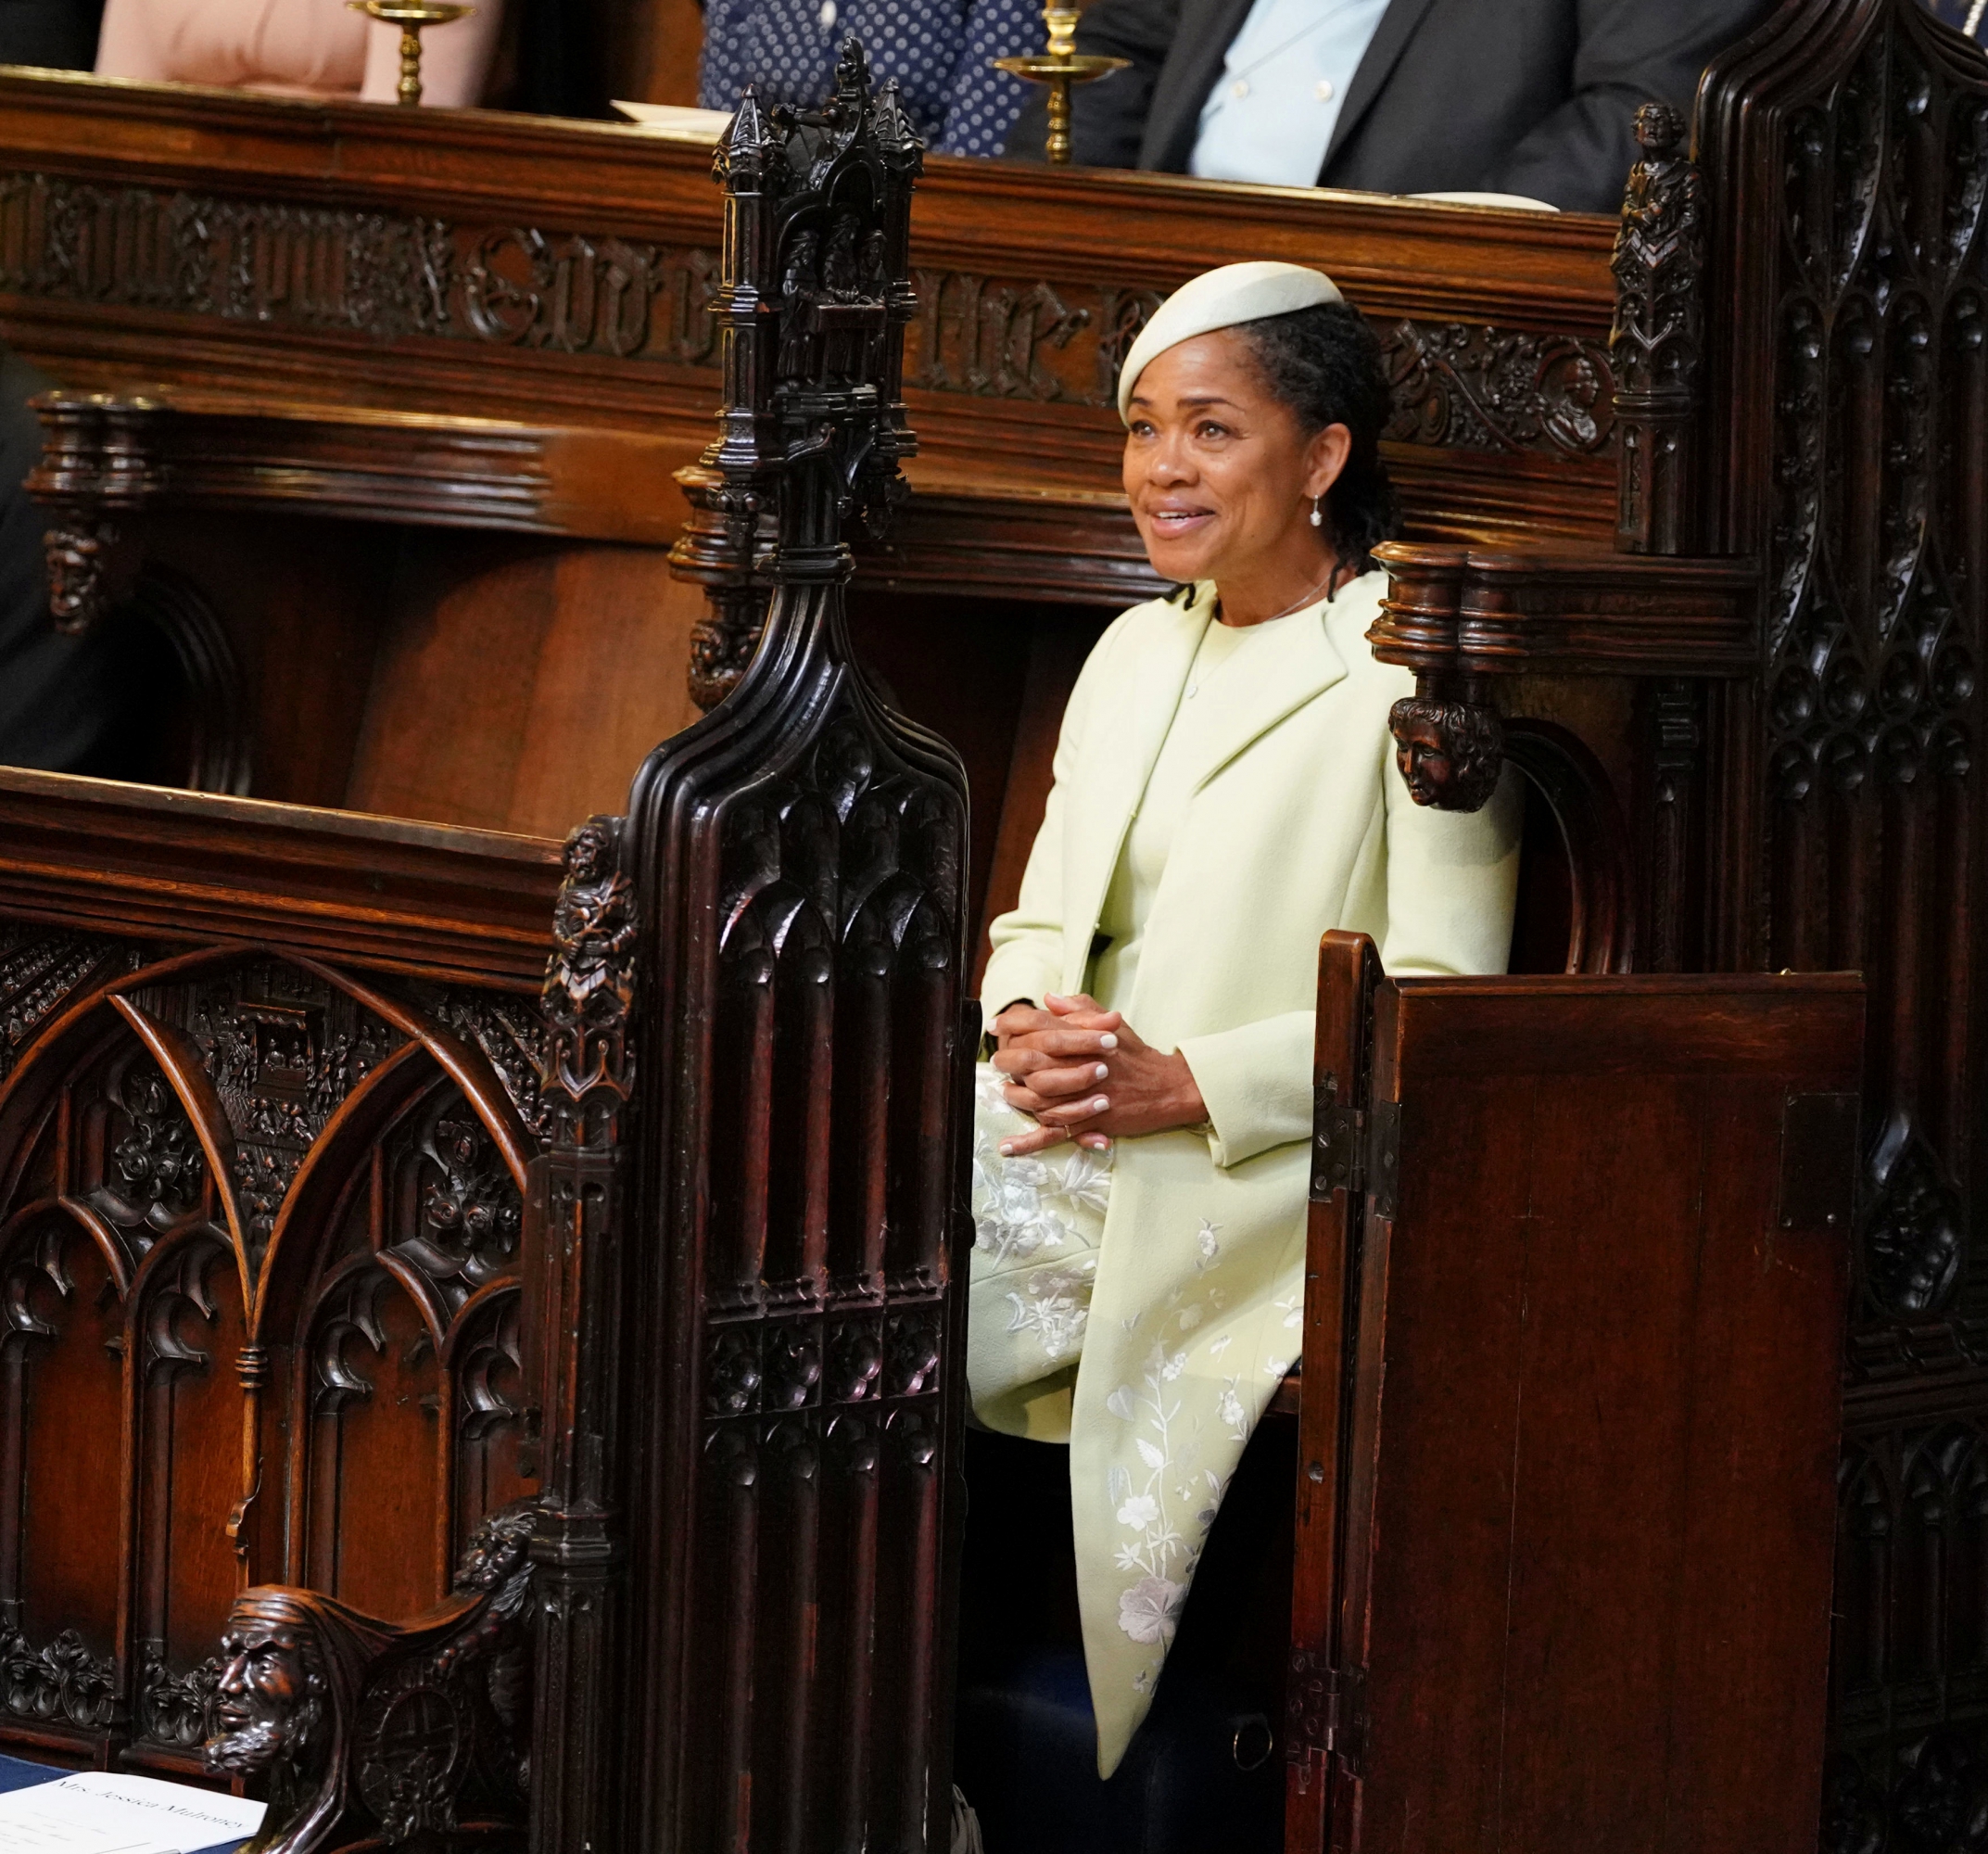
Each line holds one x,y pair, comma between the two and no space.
1200,1316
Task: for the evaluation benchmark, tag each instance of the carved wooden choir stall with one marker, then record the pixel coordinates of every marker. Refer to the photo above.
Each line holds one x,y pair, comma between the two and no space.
392,1200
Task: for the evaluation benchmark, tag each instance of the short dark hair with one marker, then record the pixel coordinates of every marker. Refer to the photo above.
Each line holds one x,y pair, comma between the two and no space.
1325,363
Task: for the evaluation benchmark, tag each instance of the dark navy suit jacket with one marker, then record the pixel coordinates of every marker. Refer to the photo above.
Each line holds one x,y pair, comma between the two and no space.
1530,96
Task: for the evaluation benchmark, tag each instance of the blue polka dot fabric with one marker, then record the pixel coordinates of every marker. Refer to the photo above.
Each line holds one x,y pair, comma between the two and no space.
936,50
1967,15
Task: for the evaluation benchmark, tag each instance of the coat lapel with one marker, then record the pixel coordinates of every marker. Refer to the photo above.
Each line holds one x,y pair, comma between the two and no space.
1296,664
1116,769
1384,51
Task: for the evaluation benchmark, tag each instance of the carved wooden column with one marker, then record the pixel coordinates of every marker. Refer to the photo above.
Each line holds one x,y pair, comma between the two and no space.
579,1296
797,1243
1657,344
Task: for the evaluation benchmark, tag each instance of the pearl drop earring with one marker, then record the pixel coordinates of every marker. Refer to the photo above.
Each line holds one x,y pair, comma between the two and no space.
1318,520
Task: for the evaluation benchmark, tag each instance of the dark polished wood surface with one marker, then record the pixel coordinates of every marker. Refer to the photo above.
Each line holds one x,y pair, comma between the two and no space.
1610,1218
288,254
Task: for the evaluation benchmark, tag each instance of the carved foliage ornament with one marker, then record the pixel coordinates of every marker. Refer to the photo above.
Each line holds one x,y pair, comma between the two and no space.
1470,387
1659,337
589,988
62,1683
1912,1228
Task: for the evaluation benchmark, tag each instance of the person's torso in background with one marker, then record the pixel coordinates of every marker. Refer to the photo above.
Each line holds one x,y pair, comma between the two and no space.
306,46
56,34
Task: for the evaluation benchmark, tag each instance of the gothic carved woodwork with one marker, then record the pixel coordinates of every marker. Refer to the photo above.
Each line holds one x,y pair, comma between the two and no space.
261,1228
578,1194
214,721
726,547
1851,396
1462,619
1470,387
96,472
1657,344
1673,730
395,276
212,257
352,1725
798,861
1571,782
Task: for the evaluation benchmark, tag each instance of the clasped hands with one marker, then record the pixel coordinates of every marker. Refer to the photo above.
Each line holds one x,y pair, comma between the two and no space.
1083,1073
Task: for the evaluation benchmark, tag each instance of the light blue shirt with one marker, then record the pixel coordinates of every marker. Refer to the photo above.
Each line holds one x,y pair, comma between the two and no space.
1273,110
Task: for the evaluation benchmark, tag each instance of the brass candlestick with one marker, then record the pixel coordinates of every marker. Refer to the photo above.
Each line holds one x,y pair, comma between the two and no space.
1060,67
410,16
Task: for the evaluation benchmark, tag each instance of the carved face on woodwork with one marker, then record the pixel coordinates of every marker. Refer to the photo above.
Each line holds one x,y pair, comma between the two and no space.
1449,752
1221,476
273,1691
76,575
586,854
498,1549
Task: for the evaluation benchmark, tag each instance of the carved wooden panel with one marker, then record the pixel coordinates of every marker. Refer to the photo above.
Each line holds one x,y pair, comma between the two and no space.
395,276
1848,154
383,274
260,1225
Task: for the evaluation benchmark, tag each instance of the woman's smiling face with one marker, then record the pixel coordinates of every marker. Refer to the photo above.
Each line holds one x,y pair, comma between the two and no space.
1220,476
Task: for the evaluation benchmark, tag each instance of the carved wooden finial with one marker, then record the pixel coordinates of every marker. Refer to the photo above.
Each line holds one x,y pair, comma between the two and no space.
815,296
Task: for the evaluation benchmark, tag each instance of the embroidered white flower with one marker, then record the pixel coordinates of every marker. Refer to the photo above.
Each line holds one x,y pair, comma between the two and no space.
1139,1512
1121,1404
1229,1408
1149,1611
1190,1317
1055,1304
1083,1182
1026,1205
1206,1249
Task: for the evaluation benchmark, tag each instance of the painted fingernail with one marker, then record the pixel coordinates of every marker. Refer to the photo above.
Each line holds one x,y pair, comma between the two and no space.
1107,1041
1008,1149
1099,1105
1098,1073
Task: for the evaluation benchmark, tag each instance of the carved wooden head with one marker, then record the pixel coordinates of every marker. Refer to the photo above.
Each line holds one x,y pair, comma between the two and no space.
275,1699
1451,753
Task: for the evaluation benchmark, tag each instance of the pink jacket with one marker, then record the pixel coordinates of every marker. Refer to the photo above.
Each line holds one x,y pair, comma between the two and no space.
292,47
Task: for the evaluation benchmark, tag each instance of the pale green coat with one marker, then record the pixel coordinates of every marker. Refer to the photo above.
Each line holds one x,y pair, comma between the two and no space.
1299,824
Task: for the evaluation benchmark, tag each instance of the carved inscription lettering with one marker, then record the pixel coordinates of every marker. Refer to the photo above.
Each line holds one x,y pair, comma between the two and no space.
383,274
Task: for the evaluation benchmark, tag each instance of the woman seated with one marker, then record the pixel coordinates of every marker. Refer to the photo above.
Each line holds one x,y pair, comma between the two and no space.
299,48
1224,793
